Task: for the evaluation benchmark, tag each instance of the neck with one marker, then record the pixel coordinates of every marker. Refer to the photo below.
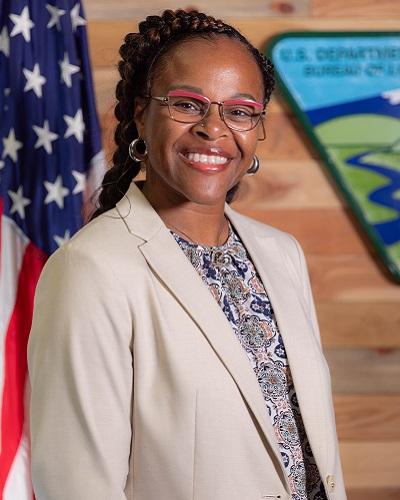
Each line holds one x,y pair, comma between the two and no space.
198,223
207,236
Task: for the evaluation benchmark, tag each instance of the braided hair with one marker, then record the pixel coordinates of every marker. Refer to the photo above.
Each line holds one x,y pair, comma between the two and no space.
140,53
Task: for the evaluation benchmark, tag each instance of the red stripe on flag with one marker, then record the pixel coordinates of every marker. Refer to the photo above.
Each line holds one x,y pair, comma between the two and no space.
1,218
15,360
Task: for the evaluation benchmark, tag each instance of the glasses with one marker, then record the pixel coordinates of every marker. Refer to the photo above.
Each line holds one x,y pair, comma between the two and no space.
188,107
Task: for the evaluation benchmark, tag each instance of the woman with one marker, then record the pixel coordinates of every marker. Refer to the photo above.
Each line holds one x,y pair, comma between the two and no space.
163,331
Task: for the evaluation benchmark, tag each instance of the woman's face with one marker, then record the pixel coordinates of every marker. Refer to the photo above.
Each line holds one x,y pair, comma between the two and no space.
220,69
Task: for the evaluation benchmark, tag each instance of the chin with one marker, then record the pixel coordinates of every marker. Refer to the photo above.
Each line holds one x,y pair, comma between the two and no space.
203,197
207,192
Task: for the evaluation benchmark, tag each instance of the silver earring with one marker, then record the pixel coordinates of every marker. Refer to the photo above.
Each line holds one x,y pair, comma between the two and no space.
134,153
254,166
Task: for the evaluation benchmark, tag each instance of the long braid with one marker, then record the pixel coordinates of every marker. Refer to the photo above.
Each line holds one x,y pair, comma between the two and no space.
140,54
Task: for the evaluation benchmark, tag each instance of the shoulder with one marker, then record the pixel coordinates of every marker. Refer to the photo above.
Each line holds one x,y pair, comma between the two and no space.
286,242
97,253
106,238
291,251
106,234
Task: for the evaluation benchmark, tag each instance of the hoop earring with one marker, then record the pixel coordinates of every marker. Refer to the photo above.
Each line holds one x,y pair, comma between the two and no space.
254,166
134,153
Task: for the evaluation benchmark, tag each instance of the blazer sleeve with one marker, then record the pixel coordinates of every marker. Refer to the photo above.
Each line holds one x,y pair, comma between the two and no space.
81,376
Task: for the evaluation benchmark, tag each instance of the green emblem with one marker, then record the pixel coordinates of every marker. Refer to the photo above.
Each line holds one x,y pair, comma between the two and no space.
345,89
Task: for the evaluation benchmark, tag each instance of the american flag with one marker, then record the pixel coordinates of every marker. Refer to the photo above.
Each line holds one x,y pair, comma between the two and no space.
49,144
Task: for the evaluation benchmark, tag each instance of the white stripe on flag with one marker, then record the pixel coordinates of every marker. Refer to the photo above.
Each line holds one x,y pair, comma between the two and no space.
13,245
18,484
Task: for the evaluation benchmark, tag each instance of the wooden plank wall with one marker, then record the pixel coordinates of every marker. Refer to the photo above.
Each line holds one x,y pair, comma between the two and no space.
358,305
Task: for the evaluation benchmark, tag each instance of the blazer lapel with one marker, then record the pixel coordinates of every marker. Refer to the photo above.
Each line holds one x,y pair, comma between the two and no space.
172,267
302,350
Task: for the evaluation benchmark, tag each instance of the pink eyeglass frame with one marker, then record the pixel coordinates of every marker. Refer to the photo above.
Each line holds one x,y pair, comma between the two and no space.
186,93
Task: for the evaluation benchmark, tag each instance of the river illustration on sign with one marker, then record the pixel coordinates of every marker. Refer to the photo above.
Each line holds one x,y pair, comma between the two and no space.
345,89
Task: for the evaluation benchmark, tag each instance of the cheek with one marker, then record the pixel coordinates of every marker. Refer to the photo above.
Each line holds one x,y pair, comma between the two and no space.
159,139
248,144
160,128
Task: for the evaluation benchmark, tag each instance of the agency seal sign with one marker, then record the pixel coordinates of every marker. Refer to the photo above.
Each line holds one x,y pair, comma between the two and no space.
345,89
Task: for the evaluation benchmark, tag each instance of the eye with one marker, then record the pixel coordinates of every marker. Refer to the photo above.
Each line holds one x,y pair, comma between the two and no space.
240,112
187,106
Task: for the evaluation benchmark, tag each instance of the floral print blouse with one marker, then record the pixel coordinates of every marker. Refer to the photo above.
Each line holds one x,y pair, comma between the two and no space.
233,281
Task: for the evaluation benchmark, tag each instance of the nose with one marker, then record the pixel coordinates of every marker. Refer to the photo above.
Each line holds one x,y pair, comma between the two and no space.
212,126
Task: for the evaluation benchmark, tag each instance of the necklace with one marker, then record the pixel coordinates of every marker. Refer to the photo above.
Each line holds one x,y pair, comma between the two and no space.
179,231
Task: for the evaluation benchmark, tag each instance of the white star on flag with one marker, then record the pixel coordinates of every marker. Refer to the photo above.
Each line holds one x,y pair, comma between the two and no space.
75,125
34,80
80,182
393,96
2,164
11,146
22,24
76,19
4,42
55,14
67,70
60,240
56,192
19,202
45,137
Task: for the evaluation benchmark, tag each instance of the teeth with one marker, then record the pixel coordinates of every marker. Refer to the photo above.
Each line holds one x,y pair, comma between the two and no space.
201,158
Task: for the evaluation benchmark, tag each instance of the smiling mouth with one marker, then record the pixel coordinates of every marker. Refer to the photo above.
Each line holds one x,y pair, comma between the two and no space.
206,159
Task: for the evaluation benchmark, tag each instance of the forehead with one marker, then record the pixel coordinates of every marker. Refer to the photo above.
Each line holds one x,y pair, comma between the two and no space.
219,66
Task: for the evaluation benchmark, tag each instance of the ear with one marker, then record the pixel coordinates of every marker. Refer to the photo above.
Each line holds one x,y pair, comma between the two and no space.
140,114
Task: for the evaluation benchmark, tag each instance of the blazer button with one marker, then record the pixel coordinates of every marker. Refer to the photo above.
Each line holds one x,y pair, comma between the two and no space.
330,482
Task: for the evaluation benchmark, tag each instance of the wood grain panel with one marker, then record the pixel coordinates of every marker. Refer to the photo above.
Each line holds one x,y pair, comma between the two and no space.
367,418
364,371
105,37
100,9
357,8
373,494
359,325
288,184
341,233
371,465
285,139
351,277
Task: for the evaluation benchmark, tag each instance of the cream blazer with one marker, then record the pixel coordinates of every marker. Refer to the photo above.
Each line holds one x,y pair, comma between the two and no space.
139,388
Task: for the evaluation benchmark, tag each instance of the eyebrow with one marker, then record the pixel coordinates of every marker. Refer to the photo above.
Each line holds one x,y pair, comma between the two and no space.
179,86
198,90
244,96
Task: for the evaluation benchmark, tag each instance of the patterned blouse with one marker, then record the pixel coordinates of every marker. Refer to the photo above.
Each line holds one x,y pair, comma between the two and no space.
234,283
